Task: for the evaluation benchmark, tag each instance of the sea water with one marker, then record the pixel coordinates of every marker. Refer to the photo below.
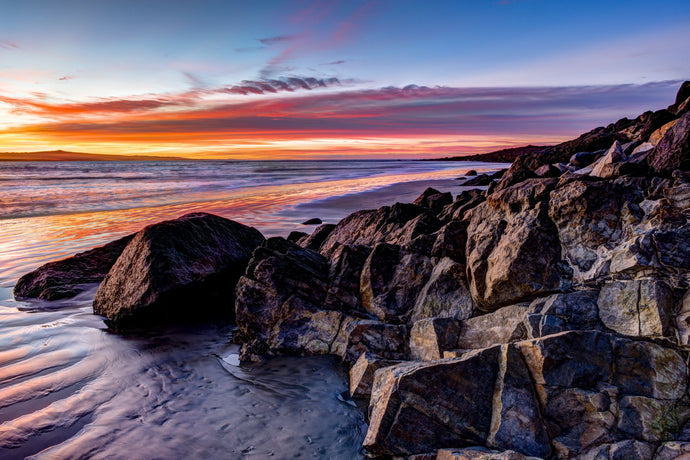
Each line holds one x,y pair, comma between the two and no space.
69,388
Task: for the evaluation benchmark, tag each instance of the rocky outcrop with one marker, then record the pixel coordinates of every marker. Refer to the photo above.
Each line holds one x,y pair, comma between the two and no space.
507,234
167,267
68,277
563,395
673,151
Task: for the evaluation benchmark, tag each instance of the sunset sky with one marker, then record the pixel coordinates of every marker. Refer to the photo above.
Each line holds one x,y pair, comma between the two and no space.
321,79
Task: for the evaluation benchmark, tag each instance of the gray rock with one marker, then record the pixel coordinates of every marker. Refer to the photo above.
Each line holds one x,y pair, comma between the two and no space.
445,294
673,450
513,252
362,374
434,200
612,156
193,260
357,336
622,450
638,307
505,325
317,237
430,337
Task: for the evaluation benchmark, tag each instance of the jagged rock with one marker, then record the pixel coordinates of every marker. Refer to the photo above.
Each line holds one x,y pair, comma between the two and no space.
513,252
397,224
193,260
477,181
294,237
280,301
362,374
67,277
623,450
445,294
313,221
589,215
563,312
465,201
657,135
505,325
391,281
358,336
450,241
317,237
683,320
612,156
434,200
344,271
480,453
582,159
430,337
673,151
483,397
681,96
673,450
498,174
547,171
642,148
642,307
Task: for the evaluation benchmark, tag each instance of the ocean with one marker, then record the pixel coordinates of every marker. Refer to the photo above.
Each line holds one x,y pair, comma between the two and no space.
69,388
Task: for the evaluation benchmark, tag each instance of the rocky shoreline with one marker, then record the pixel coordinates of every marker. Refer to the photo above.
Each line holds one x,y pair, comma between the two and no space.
545,315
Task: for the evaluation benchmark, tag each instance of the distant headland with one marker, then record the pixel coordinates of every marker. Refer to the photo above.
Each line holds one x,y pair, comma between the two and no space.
62,155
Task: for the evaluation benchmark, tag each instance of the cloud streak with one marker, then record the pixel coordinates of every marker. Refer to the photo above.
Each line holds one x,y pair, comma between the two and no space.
432,116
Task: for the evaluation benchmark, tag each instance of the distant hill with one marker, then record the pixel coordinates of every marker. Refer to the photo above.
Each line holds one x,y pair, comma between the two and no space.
61,155
500,156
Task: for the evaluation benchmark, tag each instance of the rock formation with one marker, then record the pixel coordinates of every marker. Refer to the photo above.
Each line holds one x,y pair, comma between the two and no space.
169,268
545,317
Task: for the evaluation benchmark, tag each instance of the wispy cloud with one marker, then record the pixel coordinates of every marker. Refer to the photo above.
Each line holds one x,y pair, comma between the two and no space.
279,39
7,45
67,77
342,61
443,117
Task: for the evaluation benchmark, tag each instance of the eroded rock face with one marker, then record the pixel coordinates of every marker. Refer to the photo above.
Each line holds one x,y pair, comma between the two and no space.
445,294
513,251
673,151
568,394
67,277
434,200
193,261
391,281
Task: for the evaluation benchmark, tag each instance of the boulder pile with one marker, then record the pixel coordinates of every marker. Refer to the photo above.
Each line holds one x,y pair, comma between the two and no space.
547,316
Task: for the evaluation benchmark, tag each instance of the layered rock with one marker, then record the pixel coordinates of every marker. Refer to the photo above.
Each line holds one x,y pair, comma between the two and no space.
564,395
193,261
68,277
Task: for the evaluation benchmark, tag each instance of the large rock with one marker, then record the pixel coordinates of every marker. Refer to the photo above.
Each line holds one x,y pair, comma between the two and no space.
397,224
280,302
362,374
642,307
513,252
673,151
612,156
391,281
482,398
434,200
68,277
344,272
358,336
445,294
185,268
430,337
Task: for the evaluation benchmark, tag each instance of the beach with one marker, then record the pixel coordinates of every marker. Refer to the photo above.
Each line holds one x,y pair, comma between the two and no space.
70,388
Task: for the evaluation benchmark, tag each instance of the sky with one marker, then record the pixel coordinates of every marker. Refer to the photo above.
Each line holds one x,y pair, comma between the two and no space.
329,79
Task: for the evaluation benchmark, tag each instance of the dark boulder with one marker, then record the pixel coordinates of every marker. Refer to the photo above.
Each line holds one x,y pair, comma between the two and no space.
185,268
313,221
294,237
68,277
478,181
397,224
434,200
317,237
582,159
471,172
548,171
